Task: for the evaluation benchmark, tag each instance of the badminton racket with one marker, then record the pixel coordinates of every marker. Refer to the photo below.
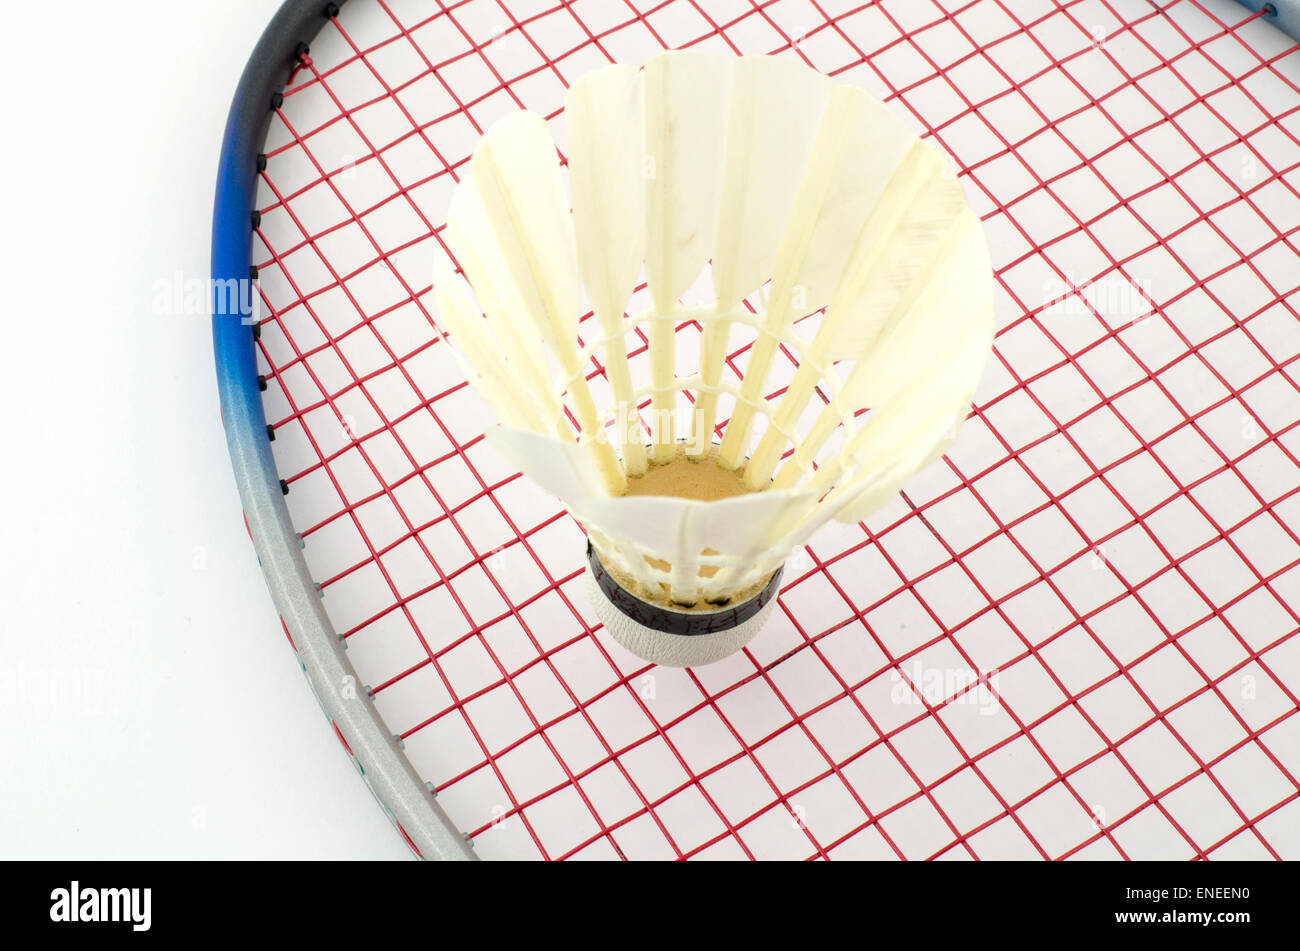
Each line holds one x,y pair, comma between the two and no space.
1072,637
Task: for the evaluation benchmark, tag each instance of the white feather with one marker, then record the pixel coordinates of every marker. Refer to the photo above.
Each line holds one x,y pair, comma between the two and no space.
562,468
893,262
469,235
606,149
776,105
954,290
894,465
602,112
907,239
685,118
517,172
518,177
859,145
478,354
685,115
941,394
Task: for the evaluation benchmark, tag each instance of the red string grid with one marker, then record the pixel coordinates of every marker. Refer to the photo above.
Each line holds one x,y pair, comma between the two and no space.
1073,637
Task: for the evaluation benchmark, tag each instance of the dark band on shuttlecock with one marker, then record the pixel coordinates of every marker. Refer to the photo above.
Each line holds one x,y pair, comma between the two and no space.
684,623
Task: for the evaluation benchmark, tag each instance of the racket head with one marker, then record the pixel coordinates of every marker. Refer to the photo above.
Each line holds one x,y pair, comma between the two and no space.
1099,434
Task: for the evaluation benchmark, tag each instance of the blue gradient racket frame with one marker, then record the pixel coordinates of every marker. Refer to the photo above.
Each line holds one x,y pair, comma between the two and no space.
377,754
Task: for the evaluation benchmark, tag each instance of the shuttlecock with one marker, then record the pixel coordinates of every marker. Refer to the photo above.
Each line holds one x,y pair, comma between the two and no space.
809,199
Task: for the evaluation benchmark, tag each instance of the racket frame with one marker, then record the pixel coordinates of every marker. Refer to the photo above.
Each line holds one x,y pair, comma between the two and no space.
404,797
1283,14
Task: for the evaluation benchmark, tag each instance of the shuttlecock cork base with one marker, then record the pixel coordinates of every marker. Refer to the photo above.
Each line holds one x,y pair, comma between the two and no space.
676,637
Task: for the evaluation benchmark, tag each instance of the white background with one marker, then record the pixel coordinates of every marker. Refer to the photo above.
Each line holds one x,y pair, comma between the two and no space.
149,703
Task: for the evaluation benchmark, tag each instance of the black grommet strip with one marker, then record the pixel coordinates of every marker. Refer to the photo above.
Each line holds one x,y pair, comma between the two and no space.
331,10
284,487
261,162
257,331
261,383
252,272
301,50
257,220
277,100
270,432
684,623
